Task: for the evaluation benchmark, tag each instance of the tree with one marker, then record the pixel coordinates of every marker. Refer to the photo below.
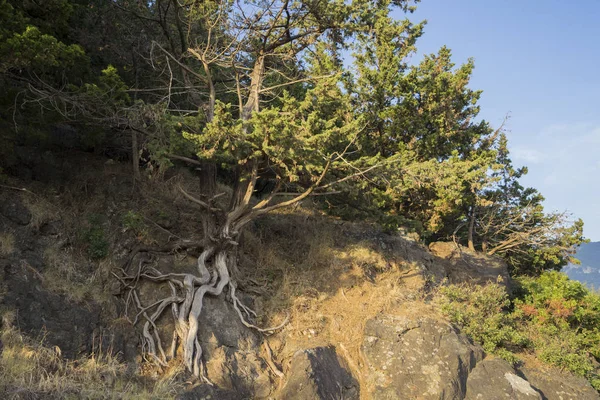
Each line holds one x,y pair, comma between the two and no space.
512,223
261,91
423,116
288,121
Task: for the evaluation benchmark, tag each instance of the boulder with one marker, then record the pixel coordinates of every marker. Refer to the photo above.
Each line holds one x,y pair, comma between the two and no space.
231,351
557,385
12,208
318,374
495,379
423,358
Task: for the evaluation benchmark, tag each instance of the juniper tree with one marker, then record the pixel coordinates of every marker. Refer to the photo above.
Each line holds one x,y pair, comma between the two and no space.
423,116
285,117
511,222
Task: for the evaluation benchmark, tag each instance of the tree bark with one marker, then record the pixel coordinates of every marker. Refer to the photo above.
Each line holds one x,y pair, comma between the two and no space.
470,242
208,178
135,156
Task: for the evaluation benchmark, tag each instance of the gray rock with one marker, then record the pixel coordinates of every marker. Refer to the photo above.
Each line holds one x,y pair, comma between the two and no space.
317,374
120,339
231,351
44,314
417,358
556,385
12,208
495,379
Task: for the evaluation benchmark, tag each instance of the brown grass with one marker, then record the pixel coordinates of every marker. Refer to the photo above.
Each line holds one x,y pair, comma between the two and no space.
7,244
41,210
331,277
31,370
74,276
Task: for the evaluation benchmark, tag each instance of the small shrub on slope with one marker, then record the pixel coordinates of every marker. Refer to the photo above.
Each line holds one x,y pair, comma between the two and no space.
554,317
481,313
97,244
562,319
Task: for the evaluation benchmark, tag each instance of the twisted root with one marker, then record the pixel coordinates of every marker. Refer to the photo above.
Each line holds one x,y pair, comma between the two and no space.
186,301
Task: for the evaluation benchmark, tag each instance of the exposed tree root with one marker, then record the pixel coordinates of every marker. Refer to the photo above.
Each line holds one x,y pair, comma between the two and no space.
217,261
186,303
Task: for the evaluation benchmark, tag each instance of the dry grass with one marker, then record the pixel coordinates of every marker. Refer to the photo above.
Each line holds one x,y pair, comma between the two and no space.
30,370
7,244
41,211
331,277
75,277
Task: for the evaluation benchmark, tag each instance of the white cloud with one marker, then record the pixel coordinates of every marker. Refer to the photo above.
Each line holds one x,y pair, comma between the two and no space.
529,156
564,165
552,180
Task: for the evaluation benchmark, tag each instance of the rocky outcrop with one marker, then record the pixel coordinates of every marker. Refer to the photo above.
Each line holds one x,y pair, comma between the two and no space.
231,351
318,374
417,358
495,379
232,355
424,358
403,356
43,314
556,385
47,316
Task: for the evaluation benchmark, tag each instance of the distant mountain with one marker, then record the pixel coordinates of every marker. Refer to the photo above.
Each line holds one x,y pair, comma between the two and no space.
589,270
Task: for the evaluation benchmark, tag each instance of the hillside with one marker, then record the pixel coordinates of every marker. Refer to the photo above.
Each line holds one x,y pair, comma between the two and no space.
269,200
588,271
346,292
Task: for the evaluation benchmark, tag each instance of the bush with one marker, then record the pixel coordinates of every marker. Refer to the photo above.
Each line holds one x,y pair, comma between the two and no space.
563,320
555,317
97,245
134,222
481,312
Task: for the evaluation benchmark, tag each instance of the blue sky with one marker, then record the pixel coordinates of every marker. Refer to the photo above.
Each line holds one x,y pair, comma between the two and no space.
539,62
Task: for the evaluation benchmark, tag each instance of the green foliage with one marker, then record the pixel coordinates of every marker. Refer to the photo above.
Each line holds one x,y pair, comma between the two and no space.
109,88
556,318
562,304
39,53
423,118
481,312
31,41
509,220
192,84
133,221
95,238
293,136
